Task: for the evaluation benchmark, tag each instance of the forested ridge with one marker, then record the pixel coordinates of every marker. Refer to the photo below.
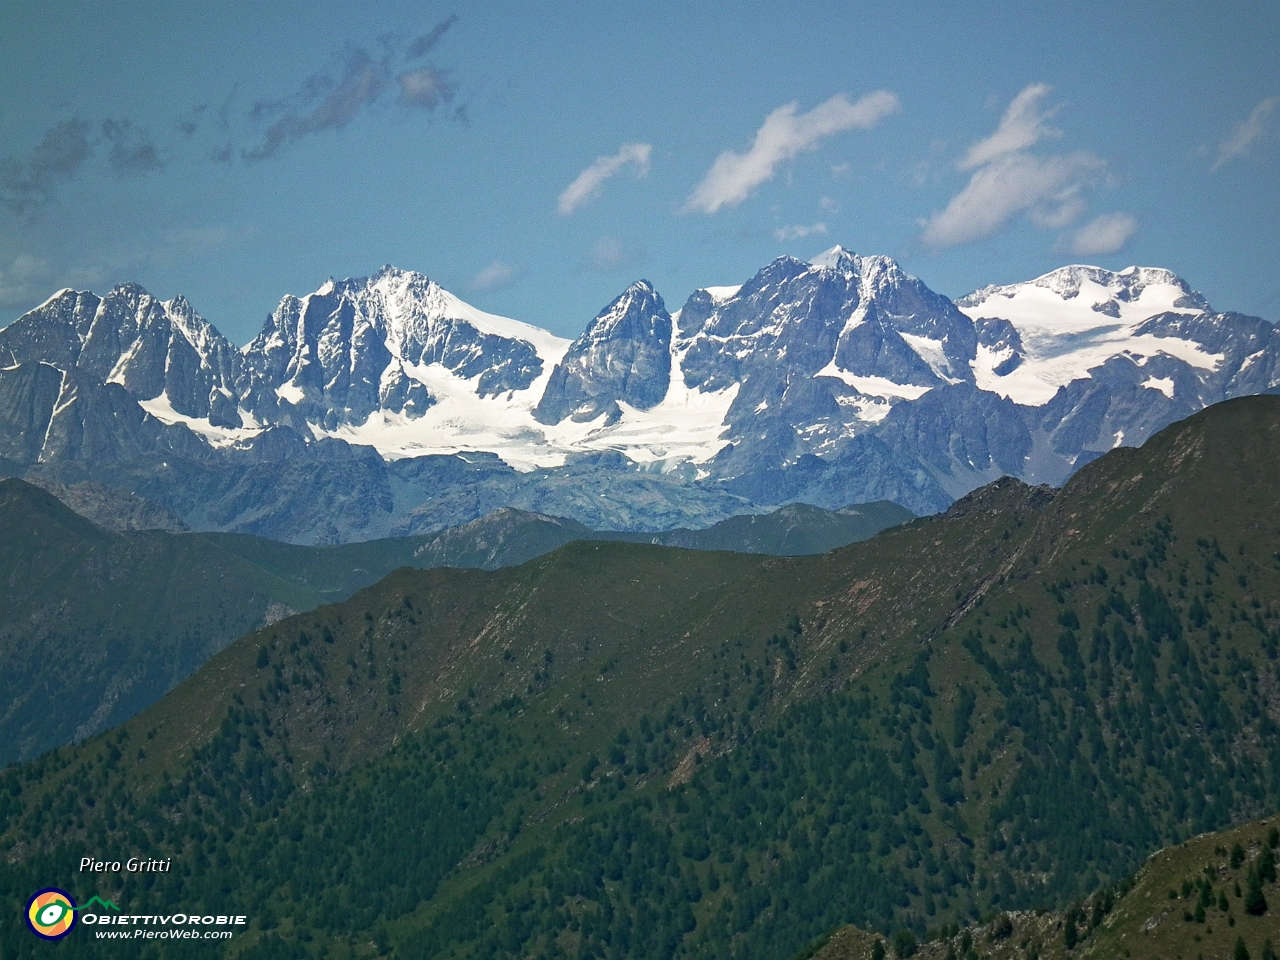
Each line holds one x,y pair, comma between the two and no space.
1003,709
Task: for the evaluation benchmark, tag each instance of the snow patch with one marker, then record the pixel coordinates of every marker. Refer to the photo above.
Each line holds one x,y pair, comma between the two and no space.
868,409
1163,384
291,392
686,426
161,408
874,386
931,352
720,294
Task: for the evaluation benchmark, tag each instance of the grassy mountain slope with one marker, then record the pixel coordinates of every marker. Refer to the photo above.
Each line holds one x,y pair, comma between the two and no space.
624,750
1189,900
98,625
101,624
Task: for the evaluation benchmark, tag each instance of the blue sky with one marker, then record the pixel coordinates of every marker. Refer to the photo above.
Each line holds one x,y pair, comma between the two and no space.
536,158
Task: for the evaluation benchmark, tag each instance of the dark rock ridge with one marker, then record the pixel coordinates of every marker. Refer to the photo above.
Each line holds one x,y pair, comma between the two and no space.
796,339
624,355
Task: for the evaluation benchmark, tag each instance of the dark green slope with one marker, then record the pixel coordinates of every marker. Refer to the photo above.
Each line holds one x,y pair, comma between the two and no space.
620,750
329,573
1200,898
98,625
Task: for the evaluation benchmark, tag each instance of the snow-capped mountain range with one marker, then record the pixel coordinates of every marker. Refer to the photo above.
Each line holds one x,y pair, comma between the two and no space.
830,381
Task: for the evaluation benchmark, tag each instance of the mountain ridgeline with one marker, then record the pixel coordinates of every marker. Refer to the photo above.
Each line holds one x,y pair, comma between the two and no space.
385,406
633,750
101,623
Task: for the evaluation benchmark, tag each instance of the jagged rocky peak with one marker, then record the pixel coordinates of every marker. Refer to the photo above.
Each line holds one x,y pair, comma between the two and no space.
1002,339
624,356
874,273
356,346
840,315
128,337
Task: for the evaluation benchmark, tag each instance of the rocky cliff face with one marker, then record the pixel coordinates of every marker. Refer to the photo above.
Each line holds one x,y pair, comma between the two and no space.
387,400
623,356
353,347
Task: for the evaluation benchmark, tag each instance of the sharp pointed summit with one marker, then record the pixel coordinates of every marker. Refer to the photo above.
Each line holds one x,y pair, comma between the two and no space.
828,381
624,356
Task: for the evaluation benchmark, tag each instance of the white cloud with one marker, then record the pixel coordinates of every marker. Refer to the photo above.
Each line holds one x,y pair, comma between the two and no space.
783,135
1047,187
1246,133
495,276
1022,126
1105,234
1008,181
590,181
613,253
799,232
1069,207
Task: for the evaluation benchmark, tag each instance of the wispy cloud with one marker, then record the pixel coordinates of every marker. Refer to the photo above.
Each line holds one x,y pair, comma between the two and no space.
1246,133
588,184
1049,188
190,123
332,99
495,276
132,153
323,103
1107,233
784,134
424,44
799,231
425,87
29,182
328,100
1023,125
614,253
1008,181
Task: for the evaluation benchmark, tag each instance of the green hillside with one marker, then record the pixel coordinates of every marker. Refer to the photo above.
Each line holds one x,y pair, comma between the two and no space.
1201,898
626,750
99,625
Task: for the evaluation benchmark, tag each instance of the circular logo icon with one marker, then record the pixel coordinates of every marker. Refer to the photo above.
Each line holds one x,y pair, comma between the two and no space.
51,913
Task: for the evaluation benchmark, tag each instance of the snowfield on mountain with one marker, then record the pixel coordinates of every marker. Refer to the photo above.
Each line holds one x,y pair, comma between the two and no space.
837,380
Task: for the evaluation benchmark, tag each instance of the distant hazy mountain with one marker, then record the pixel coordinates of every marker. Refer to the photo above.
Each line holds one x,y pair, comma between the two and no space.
387,406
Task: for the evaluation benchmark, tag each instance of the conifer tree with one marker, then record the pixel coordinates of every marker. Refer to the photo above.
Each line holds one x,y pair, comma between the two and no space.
1254,901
